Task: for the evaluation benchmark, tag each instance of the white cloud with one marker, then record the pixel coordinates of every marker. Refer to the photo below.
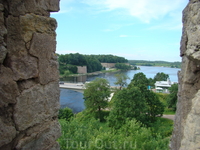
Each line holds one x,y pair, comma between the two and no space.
145,10
123,36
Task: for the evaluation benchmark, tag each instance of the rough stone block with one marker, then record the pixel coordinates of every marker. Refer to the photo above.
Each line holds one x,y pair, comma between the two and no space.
41,7
42,136
36,105
31,23
43,46
7,133
3,52
24,67
9,89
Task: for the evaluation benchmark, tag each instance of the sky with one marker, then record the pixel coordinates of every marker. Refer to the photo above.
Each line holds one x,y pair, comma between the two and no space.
134,29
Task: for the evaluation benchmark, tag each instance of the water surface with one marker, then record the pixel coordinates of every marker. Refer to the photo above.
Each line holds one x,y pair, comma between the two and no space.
75,101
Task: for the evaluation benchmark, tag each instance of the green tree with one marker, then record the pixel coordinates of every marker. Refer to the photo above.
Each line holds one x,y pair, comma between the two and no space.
172,97
93,63
152,102
160,76
67,73
154,106
122,66
140,80
96,96
127,104
151,82
121,80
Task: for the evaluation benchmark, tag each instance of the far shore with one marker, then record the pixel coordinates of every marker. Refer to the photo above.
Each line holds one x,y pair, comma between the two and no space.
93,73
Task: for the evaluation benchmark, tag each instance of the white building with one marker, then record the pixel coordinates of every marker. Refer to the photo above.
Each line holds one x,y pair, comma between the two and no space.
163,86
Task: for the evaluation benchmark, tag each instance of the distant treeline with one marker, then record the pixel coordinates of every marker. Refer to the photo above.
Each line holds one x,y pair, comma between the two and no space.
68,62
155,63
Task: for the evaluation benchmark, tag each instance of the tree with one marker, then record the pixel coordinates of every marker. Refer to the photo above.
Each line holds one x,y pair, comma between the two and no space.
160,76
127,104
154,106
151,82
172,97
122,66
121,80
96,96
140,80
152,103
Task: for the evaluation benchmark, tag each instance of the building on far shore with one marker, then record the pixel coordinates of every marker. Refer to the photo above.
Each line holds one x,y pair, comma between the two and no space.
82,69
108,65
163,86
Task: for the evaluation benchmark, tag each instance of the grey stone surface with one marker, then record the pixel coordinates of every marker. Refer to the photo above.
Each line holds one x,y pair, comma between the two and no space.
47,132
29,90
9,89
3,52
43,47
31,23
36,104
40,7
3,32
7,133
187,123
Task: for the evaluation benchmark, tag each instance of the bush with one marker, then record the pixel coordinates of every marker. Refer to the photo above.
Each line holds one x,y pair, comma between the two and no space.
92,135
65,113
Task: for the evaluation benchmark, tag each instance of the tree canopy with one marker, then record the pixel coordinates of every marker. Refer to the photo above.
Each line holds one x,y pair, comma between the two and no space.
153,105
96,96
172,97
160,76
136,101
121,80
127,103
122,66
93,62
155,63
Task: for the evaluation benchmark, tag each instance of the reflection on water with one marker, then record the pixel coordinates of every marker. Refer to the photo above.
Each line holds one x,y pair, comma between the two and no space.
75,101
75,79
72,99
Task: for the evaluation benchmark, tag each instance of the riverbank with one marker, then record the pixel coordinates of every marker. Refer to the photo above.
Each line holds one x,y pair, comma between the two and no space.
93,73
113,70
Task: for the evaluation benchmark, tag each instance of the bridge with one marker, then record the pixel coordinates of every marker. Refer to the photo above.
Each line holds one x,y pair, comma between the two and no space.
79,87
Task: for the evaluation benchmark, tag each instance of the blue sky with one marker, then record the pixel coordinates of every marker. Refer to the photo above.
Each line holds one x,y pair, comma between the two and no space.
134,29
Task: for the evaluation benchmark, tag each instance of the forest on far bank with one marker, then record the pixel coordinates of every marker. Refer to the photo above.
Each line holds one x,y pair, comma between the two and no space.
68,63
155,63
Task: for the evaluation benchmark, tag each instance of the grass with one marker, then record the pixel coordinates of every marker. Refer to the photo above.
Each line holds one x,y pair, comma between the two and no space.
168,111
163,99
164,127
111,70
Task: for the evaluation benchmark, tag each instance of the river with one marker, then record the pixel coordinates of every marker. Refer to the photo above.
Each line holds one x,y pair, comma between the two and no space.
75,101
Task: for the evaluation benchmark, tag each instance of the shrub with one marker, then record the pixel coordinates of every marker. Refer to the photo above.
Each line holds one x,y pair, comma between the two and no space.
92,135
65,113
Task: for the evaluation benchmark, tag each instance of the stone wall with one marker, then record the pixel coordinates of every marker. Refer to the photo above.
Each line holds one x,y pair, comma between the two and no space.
108,65
186,134
29,90
82,69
